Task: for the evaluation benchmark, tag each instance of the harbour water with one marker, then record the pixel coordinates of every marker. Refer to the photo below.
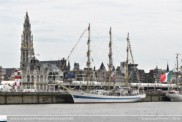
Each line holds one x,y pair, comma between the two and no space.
139,111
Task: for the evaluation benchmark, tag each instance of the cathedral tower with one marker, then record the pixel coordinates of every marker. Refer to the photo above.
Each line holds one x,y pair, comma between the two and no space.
27,50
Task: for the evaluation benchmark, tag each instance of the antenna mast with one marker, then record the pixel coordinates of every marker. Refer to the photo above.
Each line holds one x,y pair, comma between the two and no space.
88,55
177,72
110,54
127,61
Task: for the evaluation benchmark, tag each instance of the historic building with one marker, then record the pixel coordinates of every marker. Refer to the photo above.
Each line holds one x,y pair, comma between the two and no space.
132,74
119,75
37,74
76,67
142,75
102,74
8,74
33,74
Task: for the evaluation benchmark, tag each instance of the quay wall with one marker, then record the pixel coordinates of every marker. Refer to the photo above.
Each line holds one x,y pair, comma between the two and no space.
35,97
57,98
155,97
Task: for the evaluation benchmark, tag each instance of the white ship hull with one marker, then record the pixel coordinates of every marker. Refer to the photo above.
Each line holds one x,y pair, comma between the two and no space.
81,97
174,97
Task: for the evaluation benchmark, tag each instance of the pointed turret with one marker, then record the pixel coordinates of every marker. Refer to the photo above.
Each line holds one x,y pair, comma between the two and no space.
102,67
113,69
69,65
27,22
167,68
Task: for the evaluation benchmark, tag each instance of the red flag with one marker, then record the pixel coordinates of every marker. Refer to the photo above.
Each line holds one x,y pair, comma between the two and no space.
163,77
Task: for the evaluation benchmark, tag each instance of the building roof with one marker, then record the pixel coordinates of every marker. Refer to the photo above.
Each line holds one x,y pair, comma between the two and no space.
76,64
141,71
132,65
9,71
50,62
118,68
102,67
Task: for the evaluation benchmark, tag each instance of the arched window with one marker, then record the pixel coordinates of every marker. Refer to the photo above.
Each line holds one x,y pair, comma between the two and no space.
37,78
24,79
45,79
32,78
23,56
41,78
28,78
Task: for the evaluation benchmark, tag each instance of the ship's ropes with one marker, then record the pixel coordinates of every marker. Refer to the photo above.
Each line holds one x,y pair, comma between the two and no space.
74,48
98,47
133,62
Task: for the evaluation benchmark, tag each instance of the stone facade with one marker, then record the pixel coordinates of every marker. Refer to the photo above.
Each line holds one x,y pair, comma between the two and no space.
102,74
33,75
27,50
8,74
132,73
142,75
157,73
81,75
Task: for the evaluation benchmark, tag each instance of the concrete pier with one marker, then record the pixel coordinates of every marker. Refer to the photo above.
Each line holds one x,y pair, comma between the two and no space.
58,97
155,97
35,97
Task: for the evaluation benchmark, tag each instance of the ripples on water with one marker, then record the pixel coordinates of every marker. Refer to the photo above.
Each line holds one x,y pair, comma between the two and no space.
138,108
144,108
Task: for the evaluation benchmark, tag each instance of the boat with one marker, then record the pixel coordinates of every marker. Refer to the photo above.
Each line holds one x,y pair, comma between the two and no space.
5,88
117,95
175,95
103,96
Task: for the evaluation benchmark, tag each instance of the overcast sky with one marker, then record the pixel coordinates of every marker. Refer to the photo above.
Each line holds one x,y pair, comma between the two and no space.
155,28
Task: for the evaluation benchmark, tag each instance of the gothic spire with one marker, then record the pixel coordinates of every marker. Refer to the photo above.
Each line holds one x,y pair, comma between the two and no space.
167,68
26,18
69,66
27,50
102,67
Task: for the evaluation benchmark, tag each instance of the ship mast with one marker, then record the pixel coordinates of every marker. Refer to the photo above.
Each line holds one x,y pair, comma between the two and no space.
88,55
127,61
110,54
177,73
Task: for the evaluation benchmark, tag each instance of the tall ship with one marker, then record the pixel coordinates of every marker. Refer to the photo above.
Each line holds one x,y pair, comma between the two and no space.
175,95
116,95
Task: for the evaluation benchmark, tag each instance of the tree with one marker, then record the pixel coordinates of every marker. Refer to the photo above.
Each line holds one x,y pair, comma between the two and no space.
149,80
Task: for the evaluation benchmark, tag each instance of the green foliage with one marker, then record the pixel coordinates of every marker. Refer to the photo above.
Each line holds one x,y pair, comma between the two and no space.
149,80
